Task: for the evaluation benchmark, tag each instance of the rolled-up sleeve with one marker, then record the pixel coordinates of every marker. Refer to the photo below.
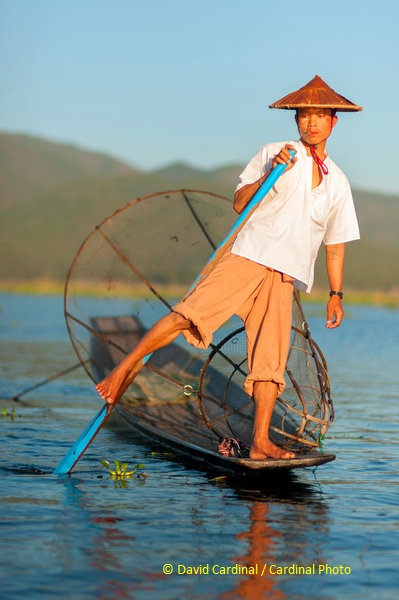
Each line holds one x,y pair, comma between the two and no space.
342,225
258,166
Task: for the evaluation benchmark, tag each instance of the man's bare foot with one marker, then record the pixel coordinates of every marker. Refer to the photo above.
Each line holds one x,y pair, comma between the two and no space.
112,387
266,449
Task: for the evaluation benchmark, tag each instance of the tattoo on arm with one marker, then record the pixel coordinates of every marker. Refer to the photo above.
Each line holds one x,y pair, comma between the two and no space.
334,252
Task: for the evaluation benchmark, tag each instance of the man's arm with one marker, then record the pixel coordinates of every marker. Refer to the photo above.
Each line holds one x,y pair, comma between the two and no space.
335,258
244,194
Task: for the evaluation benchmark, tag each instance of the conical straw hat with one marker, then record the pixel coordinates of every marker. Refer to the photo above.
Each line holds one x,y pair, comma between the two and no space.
317,94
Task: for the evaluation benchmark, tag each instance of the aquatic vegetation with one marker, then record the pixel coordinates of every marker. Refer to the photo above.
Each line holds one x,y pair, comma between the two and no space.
121,473
5,414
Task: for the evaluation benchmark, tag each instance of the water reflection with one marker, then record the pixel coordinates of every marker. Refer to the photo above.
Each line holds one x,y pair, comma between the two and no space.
277,539
102,542
276,521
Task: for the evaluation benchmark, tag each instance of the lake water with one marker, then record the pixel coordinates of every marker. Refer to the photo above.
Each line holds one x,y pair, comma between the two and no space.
88,536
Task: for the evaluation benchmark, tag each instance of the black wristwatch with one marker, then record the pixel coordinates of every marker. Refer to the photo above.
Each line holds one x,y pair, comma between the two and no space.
340,294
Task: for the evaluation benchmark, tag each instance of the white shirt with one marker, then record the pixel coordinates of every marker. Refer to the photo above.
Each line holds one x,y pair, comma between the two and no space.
286,230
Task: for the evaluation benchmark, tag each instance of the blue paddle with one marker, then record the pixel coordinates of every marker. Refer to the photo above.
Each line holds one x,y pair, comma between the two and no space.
80,446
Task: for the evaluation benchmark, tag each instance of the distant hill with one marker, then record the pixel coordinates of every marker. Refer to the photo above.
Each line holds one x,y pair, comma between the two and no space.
52,196
378,217
30,166
180,172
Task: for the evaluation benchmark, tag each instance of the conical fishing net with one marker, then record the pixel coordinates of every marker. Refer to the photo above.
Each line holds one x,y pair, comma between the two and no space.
138,263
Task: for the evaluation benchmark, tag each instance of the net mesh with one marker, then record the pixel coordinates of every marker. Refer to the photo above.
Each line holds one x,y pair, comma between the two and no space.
127,274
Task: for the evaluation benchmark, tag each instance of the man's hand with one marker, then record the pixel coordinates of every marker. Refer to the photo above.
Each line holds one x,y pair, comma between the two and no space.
335,312
284,157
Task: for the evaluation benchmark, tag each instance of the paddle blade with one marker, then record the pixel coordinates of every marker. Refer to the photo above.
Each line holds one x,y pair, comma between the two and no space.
84,441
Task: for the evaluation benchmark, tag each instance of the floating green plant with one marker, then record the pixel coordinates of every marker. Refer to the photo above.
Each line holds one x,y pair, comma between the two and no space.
5,414
121,472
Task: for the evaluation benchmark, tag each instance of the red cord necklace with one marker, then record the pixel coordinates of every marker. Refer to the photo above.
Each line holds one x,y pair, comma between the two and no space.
318,160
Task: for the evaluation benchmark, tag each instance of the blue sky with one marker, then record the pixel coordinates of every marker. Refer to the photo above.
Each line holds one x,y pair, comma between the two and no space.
158,81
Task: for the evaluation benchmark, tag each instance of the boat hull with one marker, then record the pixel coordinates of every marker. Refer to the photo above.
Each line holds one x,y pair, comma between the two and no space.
169,423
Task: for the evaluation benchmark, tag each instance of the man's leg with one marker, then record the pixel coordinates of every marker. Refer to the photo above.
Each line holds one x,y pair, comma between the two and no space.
164,332
210,305
267,320
265,395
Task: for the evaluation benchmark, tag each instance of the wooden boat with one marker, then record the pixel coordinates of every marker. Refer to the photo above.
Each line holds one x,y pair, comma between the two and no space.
171,414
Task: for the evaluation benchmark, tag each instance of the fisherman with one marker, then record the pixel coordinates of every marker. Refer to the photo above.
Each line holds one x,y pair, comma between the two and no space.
274,252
